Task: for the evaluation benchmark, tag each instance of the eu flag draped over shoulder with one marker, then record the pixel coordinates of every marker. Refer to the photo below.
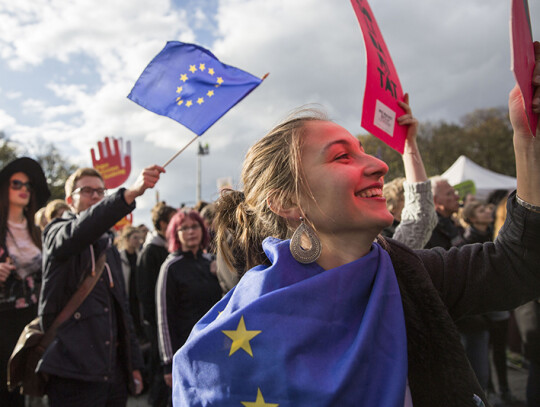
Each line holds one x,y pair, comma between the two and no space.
292,334
190,85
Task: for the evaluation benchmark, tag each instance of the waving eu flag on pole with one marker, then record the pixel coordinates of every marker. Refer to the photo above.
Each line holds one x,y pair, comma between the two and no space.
190,85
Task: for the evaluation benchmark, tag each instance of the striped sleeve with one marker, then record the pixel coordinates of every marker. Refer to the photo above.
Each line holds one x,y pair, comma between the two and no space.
166,350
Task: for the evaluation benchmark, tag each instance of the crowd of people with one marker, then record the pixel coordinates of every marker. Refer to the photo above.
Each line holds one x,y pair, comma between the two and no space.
317,284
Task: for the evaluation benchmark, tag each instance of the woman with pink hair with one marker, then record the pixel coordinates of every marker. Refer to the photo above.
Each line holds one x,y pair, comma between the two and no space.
186,287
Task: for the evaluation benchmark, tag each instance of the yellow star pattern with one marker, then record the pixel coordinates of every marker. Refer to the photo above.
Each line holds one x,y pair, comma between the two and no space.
179,89
210,93
259,401
211,71
179,102
219,80
200,101
183,77
192,68
241,337
189,103
202,67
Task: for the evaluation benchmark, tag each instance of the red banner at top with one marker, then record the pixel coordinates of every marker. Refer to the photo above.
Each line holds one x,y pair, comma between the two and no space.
114,163
522,50
383,89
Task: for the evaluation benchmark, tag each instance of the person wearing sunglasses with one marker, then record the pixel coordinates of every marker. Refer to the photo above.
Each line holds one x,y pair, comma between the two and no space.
96,358
23,190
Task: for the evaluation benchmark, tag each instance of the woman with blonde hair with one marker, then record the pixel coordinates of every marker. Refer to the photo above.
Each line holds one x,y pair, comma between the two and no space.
337,316
55,209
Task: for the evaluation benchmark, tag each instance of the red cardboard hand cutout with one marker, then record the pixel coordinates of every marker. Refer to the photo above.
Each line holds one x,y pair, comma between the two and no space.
114,166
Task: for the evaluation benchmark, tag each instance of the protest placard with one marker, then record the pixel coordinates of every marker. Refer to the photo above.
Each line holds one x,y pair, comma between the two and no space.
114,162
522,52
383,89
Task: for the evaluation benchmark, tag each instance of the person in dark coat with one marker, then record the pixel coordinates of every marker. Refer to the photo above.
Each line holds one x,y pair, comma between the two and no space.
95,357
474,329
187,286
151,258
528,320
447,233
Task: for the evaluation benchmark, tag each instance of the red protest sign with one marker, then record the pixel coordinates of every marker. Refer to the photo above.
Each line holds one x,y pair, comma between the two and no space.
383,89
114,163
522,50
122,223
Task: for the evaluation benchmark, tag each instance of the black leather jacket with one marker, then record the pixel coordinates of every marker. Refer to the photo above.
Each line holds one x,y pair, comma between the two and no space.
101,330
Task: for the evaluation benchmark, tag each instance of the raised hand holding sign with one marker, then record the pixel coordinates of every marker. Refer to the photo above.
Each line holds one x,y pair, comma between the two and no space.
523,57
113,165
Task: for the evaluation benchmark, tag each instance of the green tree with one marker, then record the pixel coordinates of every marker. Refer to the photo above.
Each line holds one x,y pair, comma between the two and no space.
373,146
57,170
484,136
489,140
7,152
440,145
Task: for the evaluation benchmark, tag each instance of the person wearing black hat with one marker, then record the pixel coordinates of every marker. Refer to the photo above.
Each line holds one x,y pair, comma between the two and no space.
23,190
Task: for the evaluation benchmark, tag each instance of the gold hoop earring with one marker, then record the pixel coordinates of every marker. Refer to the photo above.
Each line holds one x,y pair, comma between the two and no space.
301,255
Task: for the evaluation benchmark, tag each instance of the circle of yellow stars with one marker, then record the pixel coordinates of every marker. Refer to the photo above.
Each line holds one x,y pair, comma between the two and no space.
184,78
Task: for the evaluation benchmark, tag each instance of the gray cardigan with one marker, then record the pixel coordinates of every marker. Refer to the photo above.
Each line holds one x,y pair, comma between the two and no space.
418,218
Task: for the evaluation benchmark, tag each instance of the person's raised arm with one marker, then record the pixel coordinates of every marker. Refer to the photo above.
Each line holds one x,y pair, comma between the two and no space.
418,217
412,160
527,147
147,179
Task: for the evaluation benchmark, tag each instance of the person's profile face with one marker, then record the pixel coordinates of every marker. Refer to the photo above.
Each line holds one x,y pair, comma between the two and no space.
345,182
447,197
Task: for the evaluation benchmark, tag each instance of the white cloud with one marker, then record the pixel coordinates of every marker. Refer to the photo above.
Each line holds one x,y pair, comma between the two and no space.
6,121
451,57
13,95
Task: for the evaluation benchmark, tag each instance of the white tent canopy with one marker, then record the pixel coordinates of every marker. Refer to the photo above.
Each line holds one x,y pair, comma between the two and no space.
484,180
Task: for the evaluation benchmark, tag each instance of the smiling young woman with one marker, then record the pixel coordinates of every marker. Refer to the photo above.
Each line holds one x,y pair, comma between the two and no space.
362,321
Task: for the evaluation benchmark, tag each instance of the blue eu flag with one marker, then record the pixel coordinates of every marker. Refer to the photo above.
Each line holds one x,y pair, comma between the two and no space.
190,85
292,334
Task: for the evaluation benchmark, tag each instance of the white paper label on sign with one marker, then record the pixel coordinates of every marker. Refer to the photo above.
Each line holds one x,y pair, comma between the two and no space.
385,118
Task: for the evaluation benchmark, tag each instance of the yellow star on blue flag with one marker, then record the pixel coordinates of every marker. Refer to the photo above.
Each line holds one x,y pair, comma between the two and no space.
259,401
178,80
241,337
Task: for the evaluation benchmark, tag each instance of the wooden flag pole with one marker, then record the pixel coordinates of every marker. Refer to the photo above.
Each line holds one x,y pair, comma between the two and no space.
180,151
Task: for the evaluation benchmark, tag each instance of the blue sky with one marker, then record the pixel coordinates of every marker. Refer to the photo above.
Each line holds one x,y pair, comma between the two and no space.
67,66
